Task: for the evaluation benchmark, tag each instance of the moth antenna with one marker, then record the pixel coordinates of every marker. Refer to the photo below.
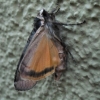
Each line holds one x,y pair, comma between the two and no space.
58,23
56,10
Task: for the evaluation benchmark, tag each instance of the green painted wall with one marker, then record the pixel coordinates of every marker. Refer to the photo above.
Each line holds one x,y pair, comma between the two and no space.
82,79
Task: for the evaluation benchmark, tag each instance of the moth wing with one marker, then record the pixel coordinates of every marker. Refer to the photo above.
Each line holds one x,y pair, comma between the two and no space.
45,59
22,84
39,61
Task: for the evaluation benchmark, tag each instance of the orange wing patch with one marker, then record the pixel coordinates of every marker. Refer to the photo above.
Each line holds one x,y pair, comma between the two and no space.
45,59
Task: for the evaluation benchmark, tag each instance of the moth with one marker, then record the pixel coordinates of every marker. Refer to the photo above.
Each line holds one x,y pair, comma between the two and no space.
44,54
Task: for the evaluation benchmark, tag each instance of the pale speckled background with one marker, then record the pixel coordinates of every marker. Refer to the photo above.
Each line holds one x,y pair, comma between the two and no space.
82,79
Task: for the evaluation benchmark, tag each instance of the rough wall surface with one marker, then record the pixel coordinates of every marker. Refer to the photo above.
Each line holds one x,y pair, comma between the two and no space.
82,79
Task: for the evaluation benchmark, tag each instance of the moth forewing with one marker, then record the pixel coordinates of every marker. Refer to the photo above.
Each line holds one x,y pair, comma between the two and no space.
43,59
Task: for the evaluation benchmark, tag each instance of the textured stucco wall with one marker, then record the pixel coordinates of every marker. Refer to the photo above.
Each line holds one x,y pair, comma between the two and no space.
82,79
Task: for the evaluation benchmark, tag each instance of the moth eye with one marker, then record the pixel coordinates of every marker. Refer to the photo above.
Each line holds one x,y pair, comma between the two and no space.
50,15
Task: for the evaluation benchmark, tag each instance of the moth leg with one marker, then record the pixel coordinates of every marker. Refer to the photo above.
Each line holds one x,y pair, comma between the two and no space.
59,23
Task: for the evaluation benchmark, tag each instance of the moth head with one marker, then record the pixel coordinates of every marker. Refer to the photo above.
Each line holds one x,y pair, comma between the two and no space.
43,13
47,16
